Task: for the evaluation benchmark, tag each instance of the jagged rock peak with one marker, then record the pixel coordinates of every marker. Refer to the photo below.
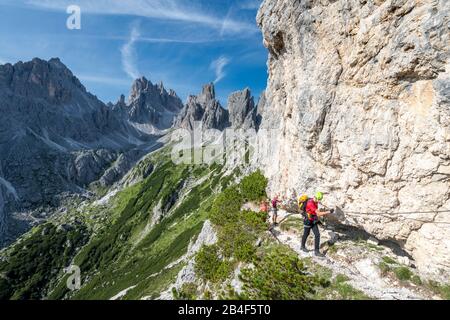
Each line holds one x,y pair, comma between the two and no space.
161,88
208,93
152,105
139,86
50,80
205,109
121,103
241,106
261,103
261,106
121,99
172,93
145,86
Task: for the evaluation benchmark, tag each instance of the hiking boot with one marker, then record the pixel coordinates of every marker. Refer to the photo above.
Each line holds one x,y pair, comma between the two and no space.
305,250
318,254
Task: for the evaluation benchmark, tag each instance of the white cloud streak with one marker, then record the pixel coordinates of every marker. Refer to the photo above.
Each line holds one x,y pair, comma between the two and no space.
218,66
176,10
142,39
170,40
225,23
250,4
128,52
104,80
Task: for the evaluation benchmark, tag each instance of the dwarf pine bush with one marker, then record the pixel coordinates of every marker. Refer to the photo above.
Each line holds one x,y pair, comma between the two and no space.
253,187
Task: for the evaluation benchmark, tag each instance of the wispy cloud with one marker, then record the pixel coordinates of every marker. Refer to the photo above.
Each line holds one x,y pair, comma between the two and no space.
173,40
218,66
168,40
177,10
250,4
128,52
142,39
226,21
104,80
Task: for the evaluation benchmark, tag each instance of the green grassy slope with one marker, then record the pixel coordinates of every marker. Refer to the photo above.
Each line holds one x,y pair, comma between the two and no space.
130,251
33,263
128,247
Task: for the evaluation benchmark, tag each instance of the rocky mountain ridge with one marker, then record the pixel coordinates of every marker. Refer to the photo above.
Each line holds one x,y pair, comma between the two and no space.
241,112
151,104
56,138
204,109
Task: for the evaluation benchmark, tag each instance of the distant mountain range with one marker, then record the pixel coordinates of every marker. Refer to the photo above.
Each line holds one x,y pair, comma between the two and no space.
57,140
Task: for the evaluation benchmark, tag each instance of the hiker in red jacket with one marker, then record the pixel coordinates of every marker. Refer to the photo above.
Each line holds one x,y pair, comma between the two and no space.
311,222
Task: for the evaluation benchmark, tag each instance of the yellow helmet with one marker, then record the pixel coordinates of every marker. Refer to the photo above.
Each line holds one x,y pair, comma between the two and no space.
302,198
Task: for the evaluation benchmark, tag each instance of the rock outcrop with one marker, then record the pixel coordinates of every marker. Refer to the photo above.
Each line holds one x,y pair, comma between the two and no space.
241,112
207,237
260,109
242,109
152,105
204,109
358,105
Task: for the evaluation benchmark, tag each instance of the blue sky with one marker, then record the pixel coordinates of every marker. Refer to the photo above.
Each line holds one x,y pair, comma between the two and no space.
183,43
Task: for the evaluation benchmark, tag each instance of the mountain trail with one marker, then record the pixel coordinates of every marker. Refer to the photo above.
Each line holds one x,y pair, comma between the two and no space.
357,260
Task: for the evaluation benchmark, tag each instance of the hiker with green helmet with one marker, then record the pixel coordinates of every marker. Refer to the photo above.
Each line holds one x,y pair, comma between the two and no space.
311,222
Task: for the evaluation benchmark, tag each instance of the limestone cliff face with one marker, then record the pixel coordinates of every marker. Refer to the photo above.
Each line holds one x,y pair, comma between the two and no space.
359,99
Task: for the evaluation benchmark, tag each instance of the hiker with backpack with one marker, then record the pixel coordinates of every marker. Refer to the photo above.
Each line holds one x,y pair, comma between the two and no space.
310,210
274,209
